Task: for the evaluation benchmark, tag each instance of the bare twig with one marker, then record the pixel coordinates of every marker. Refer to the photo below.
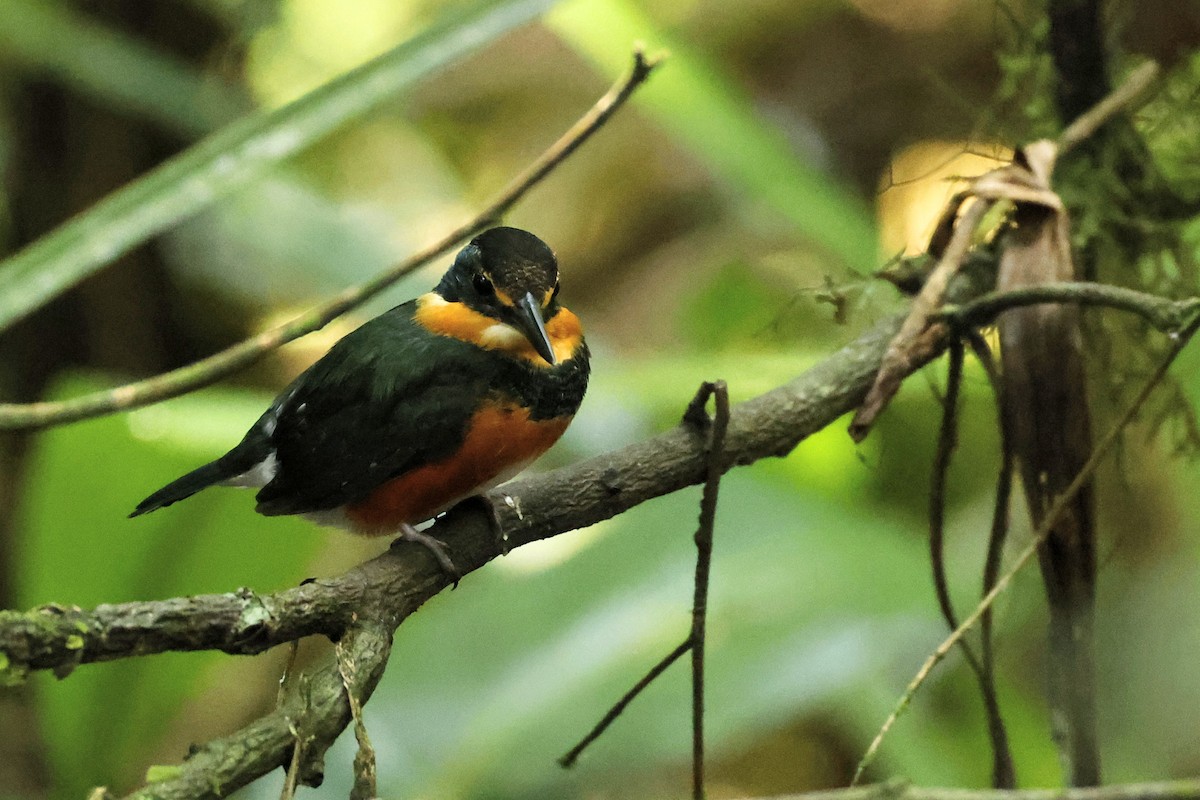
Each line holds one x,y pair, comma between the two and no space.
1060,504
1161,312
704,545
17,416
1002,765
568,760
1129,95
914,339
717,427
1004,773
901,790
291,779
946,444
365,783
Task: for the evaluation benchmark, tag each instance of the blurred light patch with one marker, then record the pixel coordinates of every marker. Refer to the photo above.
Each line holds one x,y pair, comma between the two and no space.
302,353
398,181
540,556
196,421
908,15
314,40
919,182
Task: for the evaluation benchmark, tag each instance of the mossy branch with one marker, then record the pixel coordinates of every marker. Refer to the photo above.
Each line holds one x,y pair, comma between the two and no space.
387,589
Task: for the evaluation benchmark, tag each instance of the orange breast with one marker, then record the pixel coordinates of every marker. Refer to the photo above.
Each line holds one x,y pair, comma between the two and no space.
500,440
457,320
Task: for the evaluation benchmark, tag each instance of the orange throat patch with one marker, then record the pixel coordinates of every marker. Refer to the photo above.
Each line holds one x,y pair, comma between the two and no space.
440,316
501,440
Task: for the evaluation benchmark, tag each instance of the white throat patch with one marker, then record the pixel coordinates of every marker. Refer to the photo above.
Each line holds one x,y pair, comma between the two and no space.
503,336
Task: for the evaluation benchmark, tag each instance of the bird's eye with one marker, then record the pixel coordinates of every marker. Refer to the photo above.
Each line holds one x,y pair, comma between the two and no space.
482,285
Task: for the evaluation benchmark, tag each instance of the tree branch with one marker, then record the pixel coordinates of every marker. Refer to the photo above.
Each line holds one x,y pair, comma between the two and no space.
21,416
1060,504
901,790
393,585
526,510
312,716
388,588
1163,313
532,508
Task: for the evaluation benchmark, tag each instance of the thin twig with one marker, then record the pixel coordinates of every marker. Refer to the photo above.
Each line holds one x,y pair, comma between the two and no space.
906,348
900,790
365,783
568,760
17,416
716,465
291,778
1002,773
1052,516
1127,96
704,545
947,442
1161,312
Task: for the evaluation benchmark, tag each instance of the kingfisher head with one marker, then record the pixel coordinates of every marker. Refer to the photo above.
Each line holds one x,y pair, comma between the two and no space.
511,276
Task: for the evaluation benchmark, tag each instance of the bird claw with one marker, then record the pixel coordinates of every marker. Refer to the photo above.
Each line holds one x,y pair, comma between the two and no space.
493,514
435,546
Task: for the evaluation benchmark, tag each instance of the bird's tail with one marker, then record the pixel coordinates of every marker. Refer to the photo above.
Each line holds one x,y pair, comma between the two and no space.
182,488
245,457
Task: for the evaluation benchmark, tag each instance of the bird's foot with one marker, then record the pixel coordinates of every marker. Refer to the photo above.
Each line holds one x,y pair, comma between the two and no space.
435,546
490,507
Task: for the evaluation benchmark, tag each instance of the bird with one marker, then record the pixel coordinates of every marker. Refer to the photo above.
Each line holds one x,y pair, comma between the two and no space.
435,401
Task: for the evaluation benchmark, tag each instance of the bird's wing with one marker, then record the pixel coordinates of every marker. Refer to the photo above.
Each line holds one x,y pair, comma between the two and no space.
387,398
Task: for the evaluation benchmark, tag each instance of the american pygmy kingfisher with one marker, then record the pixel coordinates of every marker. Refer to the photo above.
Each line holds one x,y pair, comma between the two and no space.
432,402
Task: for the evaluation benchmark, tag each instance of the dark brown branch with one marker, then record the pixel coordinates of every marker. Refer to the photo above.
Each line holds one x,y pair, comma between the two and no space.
618,708
1004,773
1056,509
533,508
1163,313
696,416
719,426
1003,776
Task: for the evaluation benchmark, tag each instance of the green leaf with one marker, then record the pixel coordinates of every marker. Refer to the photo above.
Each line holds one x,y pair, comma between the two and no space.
53,39
236,155
711,117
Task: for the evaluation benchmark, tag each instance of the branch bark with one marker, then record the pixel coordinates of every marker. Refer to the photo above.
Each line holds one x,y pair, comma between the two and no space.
901,790
392,586
536,507
385,590
532,508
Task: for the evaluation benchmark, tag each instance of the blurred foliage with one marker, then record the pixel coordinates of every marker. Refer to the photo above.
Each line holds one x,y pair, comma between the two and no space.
718,228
